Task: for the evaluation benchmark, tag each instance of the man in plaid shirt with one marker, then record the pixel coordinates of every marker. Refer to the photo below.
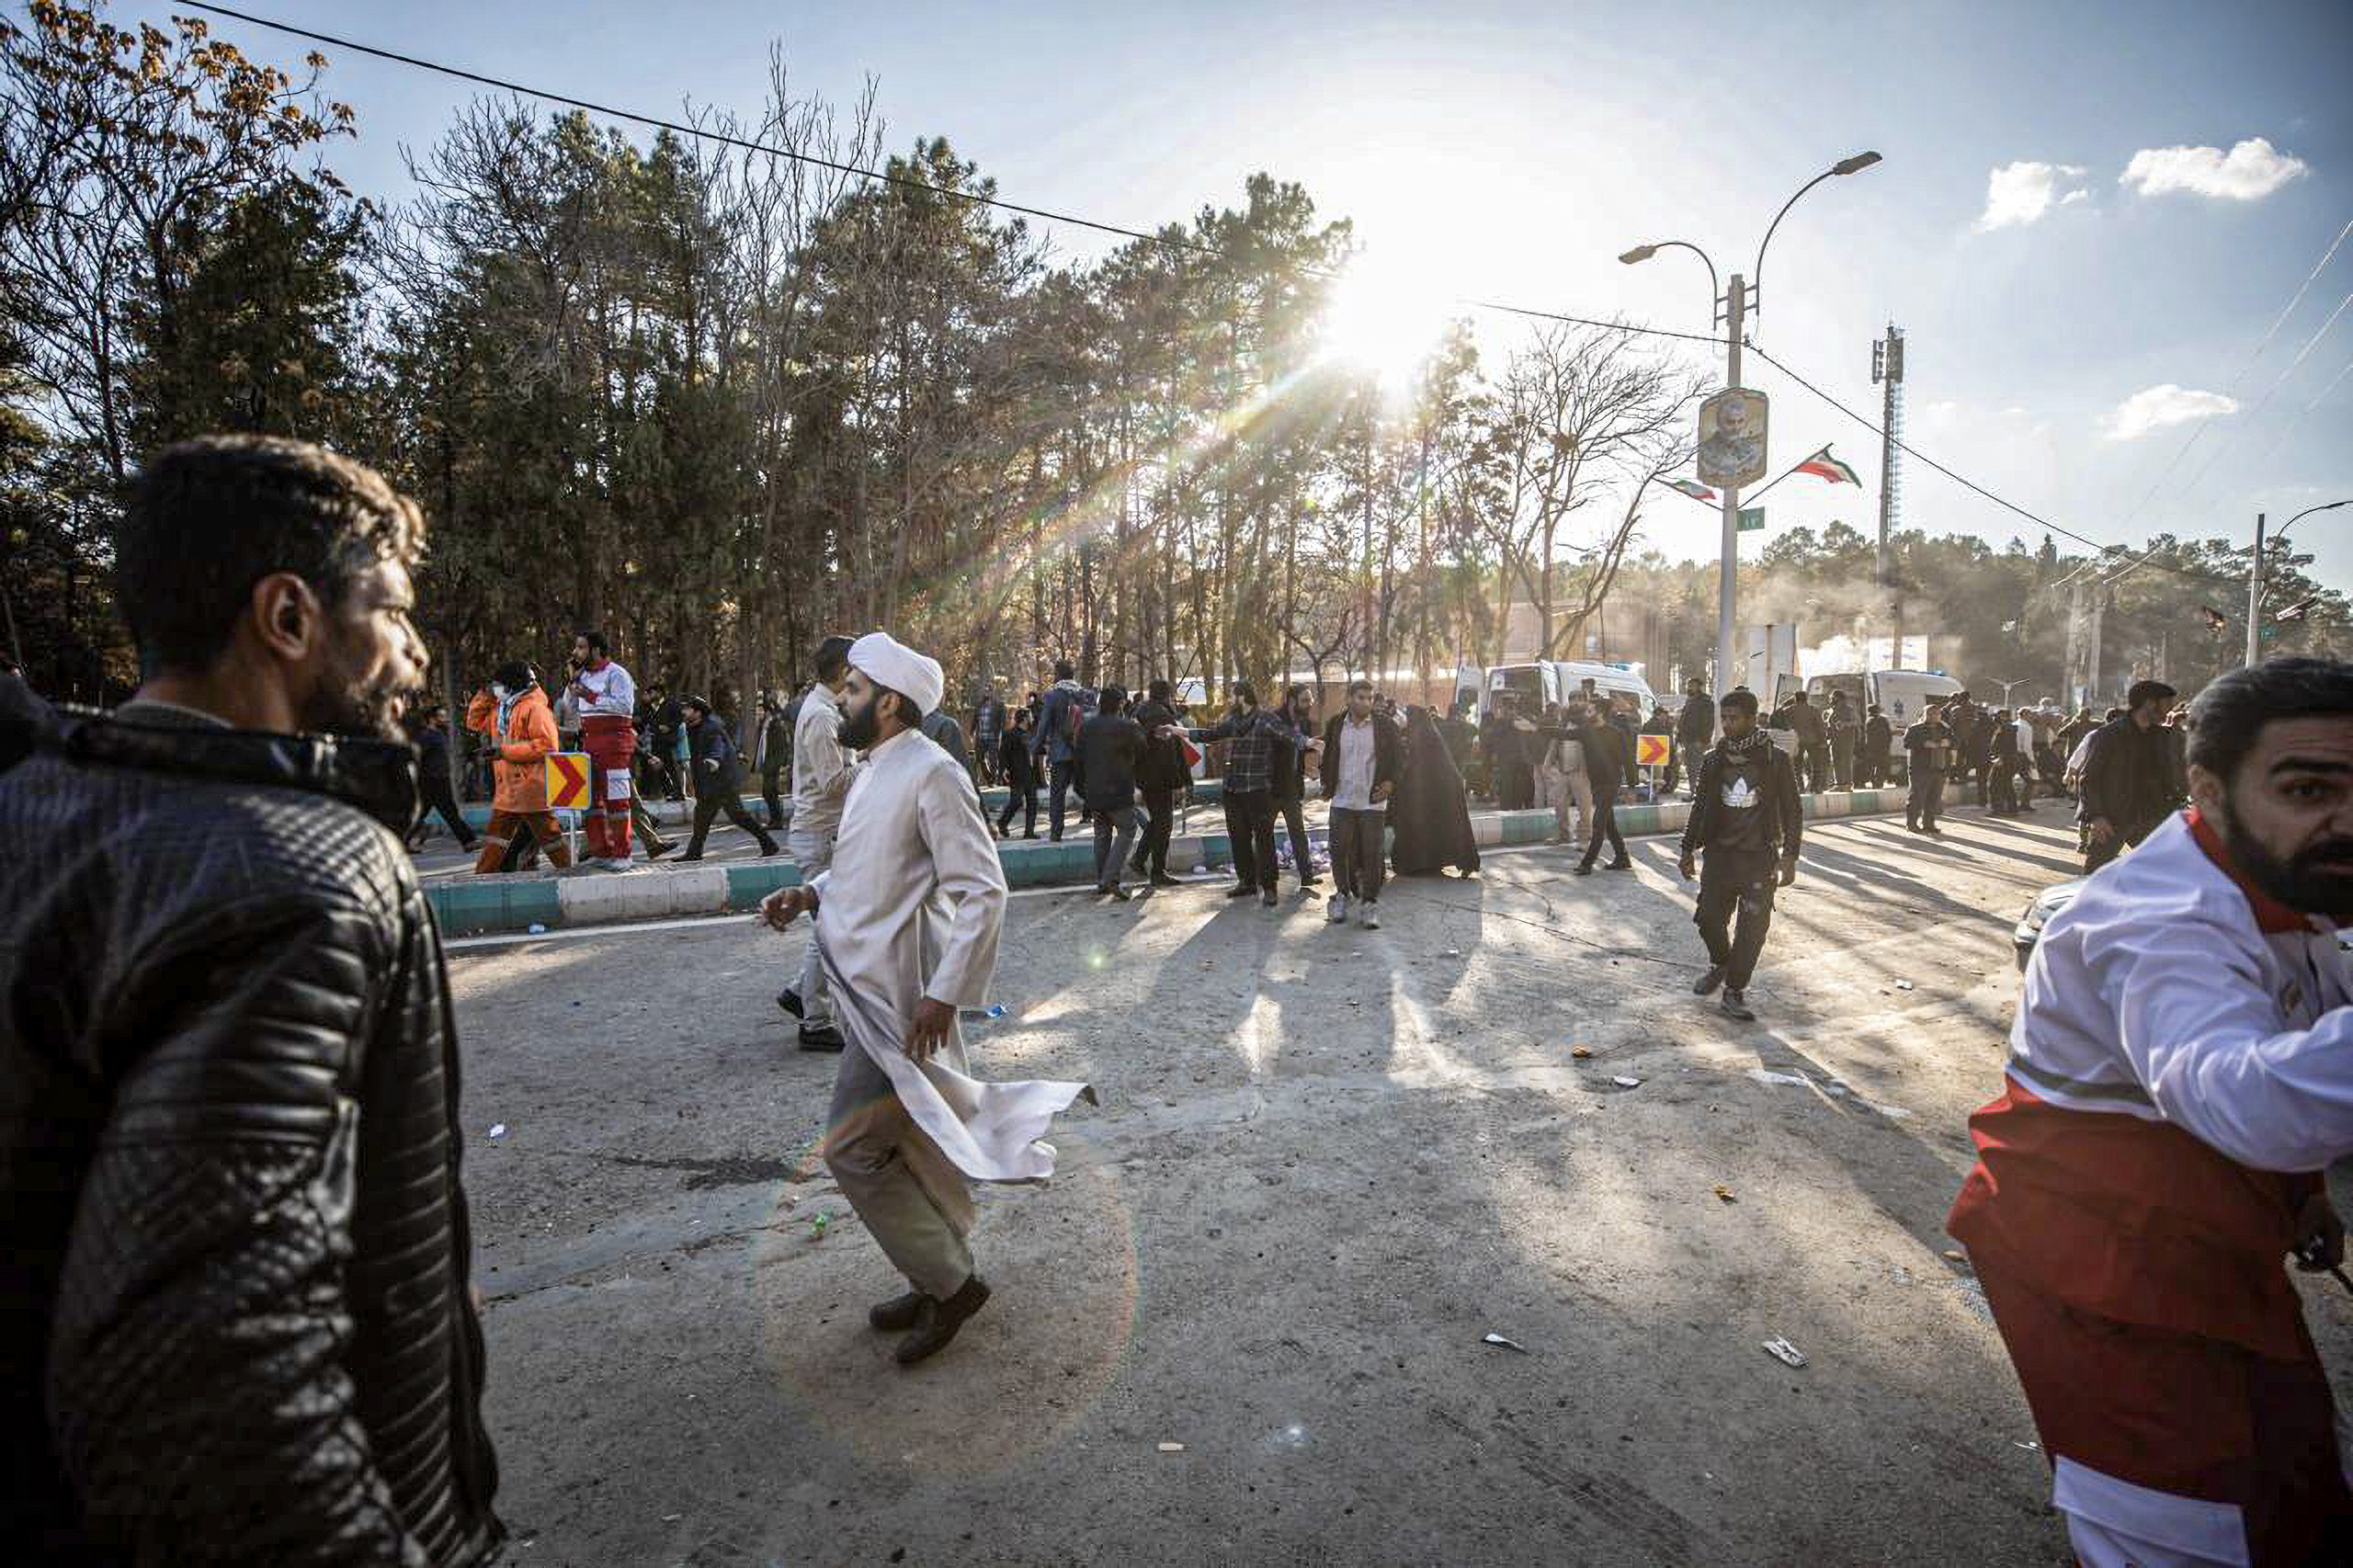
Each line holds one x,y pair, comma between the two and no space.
1251,759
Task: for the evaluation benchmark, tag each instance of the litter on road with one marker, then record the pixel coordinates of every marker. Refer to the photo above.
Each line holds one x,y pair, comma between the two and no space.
1172,1448
1625,1082
1782,1350
1500,1342
499,1130
1581,1053
1727,1193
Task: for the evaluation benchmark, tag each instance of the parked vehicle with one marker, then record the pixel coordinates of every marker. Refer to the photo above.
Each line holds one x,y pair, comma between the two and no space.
1541,681
1902,695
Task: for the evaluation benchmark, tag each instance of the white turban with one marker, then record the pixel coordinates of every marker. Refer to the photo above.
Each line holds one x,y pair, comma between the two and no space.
888,661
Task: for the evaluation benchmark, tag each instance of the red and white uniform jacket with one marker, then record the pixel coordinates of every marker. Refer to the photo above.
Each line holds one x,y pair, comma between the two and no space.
610,694
2180,1071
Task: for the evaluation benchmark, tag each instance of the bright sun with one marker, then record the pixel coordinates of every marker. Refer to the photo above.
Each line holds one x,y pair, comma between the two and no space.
1384,320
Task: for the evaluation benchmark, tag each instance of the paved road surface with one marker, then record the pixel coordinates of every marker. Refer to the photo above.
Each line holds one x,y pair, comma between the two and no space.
1327,1163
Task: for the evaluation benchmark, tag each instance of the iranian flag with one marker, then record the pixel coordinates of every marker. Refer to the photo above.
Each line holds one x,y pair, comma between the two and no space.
1822,465
1692,487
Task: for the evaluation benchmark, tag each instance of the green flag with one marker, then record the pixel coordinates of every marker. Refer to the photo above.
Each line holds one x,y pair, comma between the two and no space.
1751,519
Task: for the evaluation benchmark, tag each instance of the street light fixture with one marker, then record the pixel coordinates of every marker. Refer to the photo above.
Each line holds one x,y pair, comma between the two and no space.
1734,301
2255,573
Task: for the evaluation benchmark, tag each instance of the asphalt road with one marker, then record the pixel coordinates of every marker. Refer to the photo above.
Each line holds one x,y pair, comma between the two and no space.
1328,1162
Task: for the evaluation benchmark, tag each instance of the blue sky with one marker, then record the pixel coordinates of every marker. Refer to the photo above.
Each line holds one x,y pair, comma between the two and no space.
1512,150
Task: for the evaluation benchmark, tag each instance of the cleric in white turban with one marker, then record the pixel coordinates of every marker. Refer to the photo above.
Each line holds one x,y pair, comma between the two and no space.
891,664
907,921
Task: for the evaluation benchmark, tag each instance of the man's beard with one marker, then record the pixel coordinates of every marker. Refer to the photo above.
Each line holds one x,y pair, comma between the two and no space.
2306,881
859,725
359,709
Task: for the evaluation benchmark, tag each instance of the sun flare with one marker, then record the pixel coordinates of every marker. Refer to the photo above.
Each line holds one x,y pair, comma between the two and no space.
1384,320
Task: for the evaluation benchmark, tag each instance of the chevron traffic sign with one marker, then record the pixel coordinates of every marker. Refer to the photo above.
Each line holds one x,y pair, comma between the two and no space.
1651,751
567,781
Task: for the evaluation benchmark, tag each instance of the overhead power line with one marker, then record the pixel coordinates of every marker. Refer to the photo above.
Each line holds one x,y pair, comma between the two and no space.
1171,242
2198,431
880,176
1966,483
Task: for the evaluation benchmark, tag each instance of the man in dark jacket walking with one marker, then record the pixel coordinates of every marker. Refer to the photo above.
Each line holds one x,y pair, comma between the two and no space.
1694,730
1290,791
1110,753
718,776
1873,766
1020,775
2133,779
777,720
1928,748
1608,759
235,1320
1164,779
1055,742
1745,815
432,738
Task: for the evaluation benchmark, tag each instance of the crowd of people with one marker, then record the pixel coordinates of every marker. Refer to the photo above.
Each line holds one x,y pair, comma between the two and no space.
237,1316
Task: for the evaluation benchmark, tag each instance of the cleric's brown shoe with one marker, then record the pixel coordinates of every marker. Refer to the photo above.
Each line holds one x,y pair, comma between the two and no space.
936,1322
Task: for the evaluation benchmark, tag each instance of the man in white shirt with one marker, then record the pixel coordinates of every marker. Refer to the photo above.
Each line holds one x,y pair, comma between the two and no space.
821,778
2180,1078
907,924
605,699
1359,768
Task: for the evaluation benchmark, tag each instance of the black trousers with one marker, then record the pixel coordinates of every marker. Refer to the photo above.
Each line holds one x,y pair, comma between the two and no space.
1250,828
1736,885
722,795
1160,822
2126,834
1817,766
1605,820
1872,768
1928,798
2001,787
1021,795
1842,763
1057,778
771,793
1303,852
437,798
1515,786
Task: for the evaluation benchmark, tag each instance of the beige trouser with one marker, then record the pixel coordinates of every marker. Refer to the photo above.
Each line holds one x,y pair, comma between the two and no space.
1575,789
916,1204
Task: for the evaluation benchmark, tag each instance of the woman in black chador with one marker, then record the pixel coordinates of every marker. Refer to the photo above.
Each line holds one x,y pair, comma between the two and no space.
1430,815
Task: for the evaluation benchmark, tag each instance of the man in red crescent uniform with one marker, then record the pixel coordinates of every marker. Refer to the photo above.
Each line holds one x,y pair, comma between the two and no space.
2181,1077
608,703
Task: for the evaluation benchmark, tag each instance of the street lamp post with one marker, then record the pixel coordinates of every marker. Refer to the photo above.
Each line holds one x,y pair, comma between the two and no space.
1735,302
2255,573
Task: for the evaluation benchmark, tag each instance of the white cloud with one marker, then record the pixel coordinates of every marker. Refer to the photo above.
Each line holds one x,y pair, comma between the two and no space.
2248,172
2154,408
2020,193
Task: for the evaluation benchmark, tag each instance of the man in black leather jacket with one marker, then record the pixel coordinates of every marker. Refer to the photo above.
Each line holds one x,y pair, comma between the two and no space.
236,1322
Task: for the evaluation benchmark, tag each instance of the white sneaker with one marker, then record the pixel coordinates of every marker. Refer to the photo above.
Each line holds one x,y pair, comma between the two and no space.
1372,917
1335,909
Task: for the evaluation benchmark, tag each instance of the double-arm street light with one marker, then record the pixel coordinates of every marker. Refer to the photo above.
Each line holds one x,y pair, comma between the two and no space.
1735,304
2255,573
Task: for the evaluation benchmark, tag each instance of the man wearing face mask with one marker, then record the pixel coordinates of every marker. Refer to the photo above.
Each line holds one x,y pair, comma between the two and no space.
236,1322
907,918
513,712
2181,1077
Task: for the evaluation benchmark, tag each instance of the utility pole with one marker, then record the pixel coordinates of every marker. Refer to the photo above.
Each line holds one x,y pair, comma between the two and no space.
1887,372
1730,670
2255,598
2091,652
2074,661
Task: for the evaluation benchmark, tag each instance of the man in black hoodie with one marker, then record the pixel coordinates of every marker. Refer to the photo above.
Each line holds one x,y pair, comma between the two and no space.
1165,778
1748,818
2133,779
1110,750
719,778
1694,730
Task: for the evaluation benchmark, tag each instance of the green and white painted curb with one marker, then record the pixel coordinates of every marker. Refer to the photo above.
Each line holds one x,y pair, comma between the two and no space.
482,906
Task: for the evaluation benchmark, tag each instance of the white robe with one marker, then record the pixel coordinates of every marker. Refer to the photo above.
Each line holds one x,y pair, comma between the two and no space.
911,909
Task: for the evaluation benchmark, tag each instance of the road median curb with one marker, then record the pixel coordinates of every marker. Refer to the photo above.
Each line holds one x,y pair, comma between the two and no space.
490,905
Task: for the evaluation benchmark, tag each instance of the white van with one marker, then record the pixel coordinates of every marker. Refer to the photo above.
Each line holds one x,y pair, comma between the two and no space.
1541,681
1902,695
